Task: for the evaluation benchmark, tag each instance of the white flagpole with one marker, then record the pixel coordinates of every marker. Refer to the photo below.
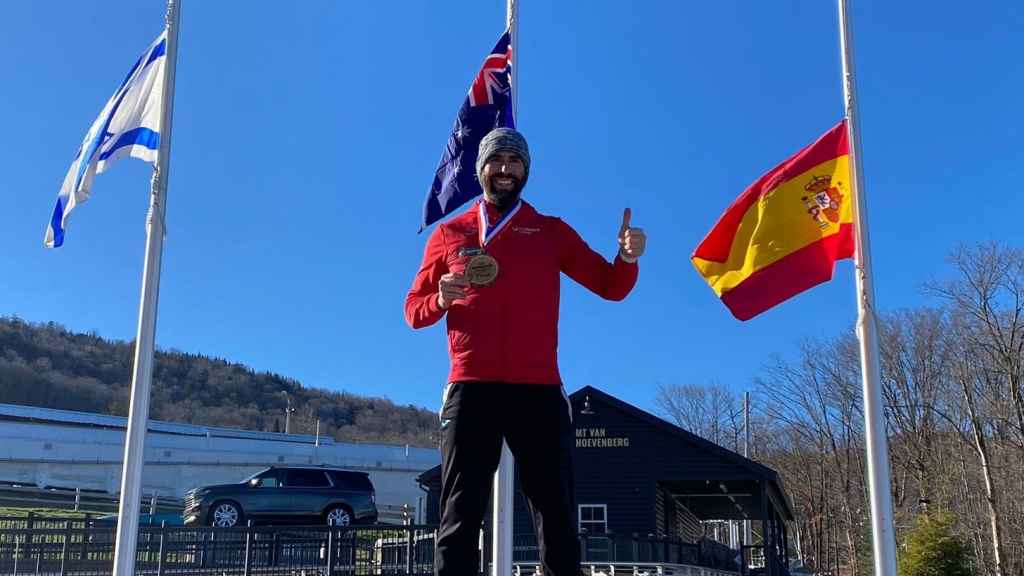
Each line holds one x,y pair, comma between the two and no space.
142,369
883,535
513,26
504,478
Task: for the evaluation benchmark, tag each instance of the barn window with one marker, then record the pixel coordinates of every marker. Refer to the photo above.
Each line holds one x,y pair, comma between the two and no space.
594,518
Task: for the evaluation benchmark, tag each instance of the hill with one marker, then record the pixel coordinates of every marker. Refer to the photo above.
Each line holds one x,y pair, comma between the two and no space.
48,366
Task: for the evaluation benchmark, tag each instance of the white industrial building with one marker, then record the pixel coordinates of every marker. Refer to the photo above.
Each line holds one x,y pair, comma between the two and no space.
79,450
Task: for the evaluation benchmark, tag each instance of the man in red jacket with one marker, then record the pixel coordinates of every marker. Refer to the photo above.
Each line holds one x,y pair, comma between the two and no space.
495,271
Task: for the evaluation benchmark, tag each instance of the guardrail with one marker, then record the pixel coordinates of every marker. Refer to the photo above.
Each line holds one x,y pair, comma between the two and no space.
78,499
81,500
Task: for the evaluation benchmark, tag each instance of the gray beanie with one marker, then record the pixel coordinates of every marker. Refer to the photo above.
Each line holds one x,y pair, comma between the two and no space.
503,139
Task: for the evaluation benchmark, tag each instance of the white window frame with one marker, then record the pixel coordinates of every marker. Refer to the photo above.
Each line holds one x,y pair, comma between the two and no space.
579,518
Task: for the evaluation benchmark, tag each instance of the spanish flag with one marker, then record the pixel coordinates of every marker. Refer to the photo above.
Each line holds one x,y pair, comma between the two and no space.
785,232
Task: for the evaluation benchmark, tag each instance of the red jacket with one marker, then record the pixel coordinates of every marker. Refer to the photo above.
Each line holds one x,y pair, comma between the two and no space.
508,331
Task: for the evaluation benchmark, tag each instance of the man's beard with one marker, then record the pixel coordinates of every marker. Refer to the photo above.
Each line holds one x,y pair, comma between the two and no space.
503,199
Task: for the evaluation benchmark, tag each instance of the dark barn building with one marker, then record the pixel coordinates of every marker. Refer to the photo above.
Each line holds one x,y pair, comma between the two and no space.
647,490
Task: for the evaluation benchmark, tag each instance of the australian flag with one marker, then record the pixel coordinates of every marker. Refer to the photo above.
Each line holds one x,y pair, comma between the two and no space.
487,106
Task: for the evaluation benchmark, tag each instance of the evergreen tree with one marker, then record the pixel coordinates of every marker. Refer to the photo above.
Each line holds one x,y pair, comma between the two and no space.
933,548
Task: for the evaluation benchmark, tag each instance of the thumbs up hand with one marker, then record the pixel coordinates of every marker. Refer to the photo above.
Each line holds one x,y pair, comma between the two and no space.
632,241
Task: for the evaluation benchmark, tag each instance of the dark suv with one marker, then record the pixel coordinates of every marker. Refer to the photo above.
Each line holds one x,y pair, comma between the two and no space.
286,494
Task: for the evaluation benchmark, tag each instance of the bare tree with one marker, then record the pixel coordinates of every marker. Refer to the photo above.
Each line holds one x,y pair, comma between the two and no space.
986,299
952,378
989,293
712,412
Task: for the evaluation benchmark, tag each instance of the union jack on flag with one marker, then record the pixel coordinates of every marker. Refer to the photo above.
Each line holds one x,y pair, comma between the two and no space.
495,78
487,106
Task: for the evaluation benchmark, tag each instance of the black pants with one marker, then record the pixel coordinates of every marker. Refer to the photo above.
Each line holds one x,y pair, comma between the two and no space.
535,421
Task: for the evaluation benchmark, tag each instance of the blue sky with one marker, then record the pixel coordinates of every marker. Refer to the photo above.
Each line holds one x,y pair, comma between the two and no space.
306,135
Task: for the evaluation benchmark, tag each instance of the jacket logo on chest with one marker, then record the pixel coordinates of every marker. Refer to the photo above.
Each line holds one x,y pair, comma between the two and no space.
470,251
525,229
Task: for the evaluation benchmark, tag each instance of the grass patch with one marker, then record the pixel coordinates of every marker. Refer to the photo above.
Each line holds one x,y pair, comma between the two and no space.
9,511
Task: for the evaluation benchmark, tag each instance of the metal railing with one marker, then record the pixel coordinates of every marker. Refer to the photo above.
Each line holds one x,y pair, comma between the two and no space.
757,562
239,551
77,499
83,547
600,548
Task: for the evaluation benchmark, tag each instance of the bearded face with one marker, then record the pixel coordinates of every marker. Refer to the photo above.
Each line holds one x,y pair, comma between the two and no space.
502,179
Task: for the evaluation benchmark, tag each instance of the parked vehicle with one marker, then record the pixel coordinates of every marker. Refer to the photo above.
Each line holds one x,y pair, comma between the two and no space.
286,495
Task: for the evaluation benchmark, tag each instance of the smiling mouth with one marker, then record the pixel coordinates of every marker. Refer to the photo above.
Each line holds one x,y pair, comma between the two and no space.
503,182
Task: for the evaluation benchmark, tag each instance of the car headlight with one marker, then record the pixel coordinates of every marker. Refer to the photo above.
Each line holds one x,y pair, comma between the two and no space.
198,494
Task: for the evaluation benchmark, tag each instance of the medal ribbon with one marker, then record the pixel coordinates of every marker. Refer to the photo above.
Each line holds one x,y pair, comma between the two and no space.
487,230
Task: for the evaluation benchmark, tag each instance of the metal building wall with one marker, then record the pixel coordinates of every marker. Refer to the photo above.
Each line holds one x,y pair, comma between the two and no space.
58,448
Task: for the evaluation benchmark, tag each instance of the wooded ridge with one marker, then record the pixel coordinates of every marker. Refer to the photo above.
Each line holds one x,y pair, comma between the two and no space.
48,366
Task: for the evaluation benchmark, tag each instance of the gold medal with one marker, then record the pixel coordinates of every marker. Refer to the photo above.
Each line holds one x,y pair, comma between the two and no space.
482,269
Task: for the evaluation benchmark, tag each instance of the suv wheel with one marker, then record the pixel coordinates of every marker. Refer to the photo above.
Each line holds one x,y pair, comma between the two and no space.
338,516
225,515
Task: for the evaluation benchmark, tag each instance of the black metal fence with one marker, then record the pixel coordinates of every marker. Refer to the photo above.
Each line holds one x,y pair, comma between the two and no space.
77,550
83,547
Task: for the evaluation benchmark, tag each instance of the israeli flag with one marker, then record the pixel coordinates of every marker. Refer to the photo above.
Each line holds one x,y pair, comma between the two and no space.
129,125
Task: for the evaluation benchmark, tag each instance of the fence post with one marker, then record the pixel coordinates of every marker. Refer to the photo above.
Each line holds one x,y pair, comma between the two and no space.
275,545
202,549
160,557
78,498
247,571
329,563
636,548
83,552
410,549
583,545
30,524
64,547
17,545
152,506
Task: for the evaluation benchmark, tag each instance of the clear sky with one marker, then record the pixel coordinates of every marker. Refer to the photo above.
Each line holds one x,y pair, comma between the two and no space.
306,134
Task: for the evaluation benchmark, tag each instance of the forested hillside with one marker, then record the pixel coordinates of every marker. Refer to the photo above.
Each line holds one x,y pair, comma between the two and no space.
46,365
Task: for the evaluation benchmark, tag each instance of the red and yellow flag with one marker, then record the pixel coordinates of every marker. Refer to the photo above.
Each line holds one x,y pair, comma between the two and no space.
785,232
